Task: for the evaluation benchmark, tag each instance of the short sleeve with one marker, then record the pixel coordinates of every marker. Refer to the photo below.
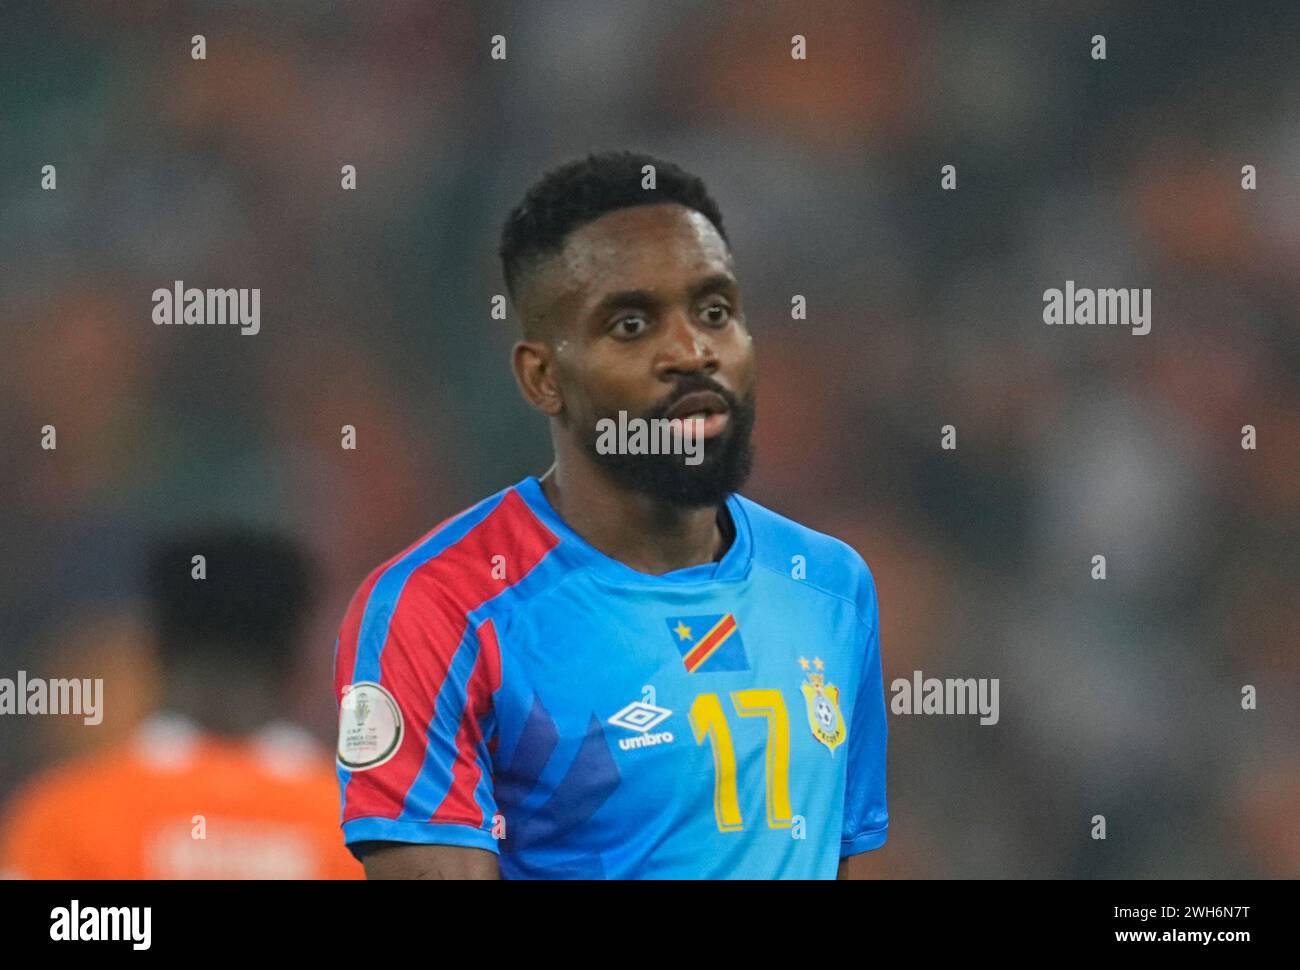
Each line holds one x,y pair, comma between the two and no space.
414,685
866,817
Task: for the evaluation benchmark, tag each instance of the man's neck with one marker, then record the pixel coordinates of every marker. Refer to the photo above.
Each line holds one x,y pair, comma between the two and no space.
644,533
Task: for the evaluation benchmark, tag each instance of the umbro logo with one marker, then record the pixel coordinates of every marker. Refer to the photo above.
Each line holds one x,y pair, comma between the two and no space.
642,717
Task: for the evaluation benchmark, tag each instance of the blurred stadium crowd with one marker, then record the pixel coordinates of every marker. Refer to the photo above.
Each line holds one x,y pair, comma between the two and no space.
1119,698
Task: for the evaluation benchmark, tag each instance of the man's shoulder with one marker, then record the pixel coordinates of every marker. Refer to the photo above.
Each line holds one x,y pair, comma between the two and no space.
807,555
464,560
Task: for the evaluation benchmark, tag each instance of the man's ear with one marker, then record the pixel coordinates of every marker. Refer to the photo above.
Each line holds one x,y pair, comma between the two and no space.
534,365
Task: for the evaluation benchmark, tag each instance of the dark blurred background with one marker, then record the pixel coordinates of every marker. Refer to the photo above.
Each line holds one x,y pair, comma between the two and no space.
1119,698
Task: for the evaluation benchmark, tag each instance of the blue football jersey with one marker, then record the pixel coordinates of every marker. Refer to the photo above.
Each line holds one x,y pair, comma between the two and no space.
504,685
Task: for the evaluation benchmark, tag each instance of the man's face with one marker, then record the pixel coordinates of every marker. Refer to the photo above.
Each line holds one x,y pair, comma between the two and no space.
645,317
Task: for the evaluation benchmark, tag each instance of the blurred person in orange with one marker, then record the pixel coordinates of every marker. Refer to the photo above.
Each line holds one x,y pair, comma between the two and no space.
216,784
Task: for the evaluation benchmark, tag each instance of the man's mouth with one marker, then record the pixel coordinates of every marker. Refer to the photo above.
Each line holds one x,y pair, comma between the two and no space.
706,407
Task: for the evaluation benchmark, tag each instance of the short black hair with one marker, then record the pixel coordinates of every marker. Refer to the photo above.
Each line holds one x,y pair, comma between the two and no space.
247,609
581,191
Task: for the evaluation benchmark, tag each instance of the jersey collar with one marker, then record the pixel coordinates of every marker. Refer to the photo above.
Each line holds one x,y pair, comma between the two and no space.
732,566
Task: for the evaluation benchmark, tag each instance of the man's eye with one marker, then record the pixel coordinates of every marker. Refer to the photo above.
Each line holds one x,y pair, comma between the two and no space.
629,326
717,314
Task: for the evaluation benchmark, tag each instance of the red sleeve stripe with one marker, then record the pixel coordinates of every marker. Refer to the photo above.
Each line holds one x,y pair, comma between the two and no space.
345,653
430,619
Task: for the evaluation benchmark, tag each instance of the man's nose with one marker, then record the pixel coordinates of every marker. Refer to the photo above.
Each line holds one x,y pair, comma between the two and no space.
685,348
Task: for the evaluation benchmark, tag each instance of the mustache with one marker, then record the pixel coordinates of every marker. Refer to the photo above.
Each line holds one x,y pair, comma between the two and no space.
689,385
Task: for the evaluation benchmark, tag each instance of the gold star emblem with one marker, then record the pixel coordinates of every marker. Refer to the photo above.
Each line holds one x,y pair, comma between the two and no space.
682,630
803,662
817,662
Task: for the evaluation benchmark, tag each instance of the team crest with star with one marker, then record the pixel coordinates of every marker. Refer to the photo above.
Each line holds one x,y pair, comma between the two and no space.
823,701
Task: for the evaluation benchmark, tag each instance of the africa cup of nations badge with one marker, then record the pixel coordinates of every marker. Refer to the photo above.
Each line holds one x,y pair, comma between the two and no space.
370,726
823,699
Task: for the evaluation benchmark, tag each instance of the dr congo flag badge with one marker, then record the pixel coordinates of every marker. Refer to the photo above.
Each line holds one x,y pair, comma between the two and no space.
709,643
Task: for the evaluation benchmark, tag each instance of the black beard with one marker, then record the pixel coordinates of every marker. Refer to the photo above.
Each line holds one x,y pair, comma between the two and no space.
724,468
